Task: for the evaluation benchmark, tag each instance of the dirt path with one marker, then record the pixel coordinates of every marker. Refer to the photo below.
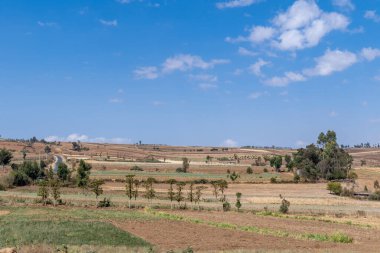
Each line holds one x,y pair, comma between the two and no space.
2,213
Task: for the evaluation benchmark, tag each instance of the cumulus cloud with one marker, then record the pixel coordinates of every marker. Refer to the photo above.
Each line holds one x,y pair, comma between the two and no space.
84,138
230,143
282,81
207,86
256,67
370,54
47,24
302,25
204,78
344,4
332,61
372,15
245,52
108,22
235,3
181,62
146,73
184,62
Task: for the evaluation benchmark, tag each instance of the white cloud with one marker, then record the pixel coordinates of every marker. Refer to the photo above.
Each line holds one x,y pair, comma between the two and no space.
116,100
235,3
256,67
204,78
344,4
125,1
158,103
372,15
245,52
302,25
146,73
207,86
47,24
230,143
332,61
108,22
184,62
255,95
261,33
181,62
282,81
85,138
370,54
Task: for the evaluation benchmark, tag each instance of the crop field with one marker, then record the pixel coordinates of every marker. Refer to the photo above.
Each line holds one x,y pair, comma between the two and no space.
317,221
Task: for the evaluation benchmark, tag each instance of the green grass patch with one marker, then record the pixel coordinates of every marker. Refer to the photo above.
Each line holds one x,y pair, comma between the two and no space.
23,232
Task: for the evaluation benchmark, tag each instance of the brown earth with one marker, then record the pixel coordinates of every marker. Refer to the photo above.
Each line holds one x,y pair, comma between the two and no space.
2,213
172,235
365,239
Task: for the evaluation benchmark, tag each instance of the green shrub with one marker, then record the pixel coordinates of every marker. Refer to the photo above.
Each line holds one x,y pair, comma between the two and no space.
2,188
180,170
273,180
284,207
106,202
136,168
265,170
296,178
249,170
374,196
20,178
226,206
335,187
347,192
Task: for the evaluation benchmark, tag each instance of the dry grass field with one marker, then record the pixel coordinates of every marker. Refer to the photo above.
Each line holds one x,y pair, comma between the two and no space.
317,220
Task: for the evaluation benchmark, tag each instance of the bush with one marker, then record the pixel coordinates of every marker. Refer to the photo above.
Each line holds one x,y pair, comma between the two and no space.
180,170
335,187
296,178
374,196
284,208
347,192
106,202
249,170
273,180
2,188
265,170
226,206
136,168
20,179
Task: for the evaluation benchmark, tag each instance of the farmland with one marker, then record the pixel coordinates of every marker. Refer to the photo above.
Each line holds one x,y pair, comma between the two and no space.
317,221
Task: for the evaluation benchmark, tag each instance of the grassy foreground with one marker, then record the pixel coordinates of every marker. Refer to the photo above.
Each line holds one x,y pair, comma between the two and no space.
34,226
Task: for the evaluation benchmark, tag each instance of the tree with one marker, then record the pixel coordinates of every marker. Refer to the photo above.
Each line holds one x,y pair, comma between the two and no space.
249,170
150,193
223,185
191,192
96,187
198,194
171,193
276,162
129,188
234,176
329,162
334,187
215,187
55,190
83,174
5,157
376,185
47,149
136,184
76,146
63,172
179,194
284,207
185,164
238,203
208,159
43,192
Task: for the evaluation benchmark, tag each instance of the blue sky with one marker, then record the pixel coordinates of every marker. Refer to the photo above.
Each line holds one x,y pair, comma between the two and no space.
190,72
